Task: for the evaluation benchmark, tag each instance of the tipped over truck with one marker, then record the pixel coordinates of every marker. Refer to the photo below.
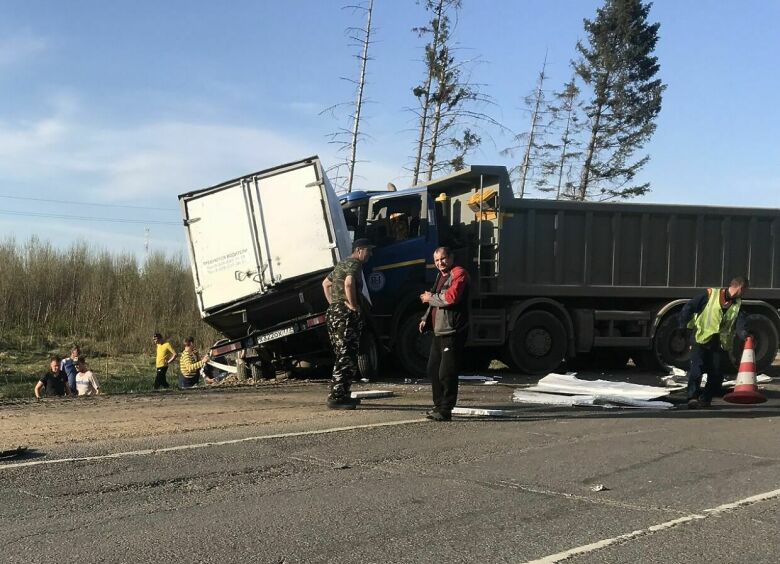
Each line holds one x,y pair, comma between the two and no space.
259,247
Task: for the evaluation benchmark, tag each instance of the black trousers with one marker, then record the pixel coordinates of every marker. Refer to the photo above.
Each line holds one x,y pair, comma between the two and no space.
705,358
159,380
443,368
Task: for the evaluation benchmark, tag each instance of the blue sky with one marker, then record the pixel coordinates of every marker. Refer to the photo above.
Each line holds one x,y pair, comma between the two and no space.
130,103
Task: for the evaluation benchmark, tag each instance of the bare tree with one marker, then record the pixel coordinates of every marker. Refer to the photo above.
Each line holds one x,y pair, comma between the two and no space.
564,154
438,29
347,139
448,99
532,140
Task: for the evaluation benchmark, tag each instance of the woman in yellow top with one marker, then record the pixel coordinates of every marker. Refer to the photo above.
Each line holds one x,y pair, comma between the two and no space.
165,356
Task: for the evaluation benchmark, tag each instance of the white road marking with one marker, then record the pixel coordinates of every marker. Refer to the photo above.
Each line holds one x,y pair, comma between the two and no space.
205,445
565,555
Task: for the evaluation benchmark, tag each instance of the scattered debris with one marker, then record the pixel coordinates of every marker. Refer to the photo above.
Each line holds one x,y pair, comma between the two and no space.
541,398
760,379
475,412
477,378
223,367
599,488
342,466
599,400
571,385
372,394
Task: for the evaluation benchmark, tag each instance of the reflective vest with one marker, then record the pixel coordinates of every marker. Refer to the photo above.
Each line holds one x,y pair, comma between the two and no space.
714,320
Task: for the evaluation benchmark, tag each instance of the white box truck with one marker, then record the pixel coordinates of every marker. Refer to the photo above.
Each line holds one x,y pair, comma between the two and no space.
259,248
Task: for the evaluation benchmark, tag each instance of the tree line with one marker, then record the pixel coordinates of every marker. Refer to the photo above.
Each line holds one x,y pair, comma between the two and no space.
109,301
582,141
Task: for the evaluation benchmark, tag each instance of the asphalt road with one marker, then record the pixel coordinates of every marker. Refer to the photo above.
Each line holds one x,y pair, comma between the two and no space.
381,484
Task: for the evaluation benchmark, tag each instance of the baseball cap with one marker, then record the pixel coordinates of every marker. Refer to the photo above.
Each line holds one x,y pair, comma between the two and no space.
362,244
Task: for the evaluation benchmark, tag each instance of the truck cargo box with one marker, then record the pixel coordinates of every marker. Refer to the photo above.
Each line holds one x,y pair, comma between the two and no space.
262,233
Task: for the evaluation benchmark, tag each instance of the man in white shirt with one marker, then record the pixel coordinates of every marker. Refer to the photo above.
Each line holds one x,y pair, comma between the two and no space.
86,383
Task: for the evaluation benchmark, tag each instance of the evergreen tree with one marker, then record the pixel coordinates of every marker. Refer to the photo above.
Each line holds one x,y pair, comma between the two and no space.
619,67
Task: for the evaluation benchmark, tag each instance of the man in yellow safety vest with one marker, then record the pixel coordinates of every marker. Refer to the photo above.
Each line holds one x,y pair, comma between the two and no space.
714,316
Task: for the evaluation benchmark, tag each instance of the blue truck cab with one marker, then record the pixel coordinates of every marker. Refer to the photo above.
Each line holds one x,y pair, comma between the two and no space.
404,231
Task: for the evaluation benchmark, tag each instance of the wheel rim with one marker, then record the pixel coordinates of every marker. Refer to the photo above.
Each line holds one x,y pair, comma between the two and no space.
678,344
538,342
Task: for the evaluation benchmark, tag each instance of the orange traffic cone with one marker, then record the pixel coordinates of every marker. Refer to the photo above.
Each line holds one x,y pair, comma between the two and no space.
746,390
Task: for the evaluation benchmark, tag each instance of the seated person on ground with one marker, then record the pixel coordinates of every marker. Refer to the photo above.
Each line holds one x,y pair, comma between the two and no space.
86,383
190,365
54,382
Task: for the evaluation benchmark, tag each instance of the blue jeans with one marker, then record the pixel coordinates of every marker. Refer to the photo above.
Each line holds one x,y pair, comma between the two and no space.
705,358
185,383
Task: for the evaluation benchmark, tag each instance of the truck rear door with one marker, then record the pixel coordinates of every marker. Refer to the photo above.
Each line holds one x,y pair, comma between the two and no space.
251,234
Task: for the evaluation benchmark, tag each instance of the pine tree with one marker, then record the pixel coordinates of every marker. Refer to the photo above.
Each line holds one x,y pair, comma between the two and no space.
619,68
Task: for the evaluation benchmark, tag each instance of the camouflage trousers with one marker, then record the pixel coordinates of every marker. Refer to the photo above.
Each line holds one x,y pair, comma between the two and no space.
344,329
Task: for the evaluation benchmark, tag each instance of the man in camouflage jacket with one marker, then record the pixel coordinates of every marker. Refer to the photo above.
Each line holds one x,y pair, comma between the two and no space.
342,289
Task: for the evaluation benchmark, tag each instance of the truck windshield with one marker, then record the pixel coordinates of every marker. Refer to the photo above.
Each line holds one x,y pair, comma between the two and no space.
393,220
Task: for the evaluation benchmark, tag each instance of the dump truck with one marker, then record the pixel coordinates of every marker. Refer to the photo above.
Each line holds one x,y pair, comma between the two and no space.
551,280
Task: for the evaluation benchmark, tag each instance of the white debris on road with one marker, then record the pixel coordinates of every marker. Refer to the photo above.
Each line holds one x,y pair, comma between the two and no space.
599,400
541,398
474,412
477,378
567,390
570,384
373,394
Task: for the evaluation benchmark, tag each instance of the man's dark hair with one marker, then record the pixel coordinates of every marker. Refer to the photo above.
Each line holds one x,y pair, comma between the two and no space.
82,360
189,340
740,281
55,357
157,336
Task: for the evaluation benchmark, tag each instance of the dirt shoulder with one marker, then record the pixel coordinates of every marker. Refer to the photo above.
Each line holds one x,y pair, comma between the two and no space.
291,405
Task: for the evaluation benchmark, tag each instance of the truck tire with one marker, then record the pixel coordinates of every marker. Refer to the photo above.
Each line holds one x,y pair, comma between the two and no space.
411,347
537,343
672,344
368,356
765,342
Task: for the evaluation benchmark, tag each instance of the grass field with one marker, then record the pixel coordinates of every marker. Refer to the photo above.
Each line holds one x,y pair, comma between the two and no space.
126,373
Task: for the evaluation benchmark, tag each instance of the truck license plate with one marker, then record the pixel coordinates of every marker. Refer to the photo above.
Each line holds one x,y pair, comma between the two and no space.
273,335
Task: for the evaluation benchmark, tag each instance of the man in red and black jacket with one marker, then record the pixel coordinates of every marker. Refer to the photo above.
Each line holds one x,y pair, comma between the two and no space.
447,316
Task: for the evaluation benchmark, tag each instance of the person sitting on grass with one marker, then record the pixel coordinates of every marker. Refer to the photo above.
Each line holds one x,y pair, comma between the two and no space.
68,366
190,365
86,383
54,382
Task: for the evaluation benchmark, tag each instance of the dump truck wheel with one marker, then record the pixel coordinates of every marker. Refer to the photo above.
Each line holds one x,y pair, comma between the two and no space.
765,342
413,348
671,344
368,356
537,343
